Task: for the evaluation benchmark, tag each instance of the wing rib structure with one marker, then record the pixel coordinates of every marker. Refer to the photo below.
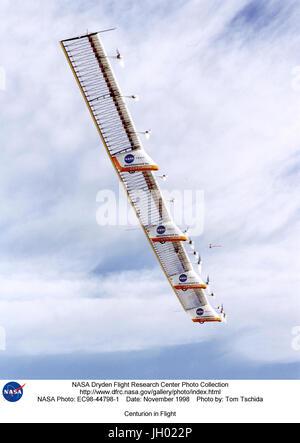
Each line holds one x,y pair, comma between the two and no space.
94,75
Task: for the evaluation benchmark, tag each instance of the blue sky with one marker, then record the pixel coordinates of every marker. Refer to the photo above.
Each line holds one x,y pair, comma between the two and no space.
216,84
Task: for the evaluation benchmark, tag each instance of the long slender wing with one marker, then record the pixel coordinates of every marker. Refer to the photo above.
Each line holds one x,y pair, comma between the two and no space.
94,75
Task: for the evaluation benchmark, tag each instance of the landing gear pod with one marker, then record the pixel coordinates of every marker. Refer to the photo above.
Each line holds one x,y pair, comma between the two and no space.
205,314
166,232
133,161
187,280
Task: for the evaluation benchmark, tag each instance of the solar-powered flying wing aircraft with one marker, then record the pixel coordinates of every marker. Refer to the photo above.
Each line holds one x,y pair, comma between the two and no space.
94,75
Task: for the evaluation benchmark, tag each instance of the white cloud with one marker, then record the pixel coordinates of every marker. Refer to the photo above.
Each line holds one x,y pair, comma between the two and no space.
129,311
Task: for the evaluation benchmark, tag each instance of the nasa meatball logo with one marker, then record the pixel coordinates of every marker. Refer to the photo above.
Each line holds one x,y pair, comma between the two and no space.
200,311
129,158
161,230
13,392
183,278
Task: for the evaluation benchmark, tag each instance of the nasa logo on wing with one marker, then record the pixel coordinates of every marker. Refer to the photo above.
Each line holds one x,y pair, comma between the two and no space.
129,158
13,392
200,311
183,278
161,230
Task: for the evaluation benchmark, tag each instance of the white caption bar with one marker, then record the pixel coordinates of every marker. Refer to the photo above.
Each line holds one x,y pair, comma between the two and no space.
135,401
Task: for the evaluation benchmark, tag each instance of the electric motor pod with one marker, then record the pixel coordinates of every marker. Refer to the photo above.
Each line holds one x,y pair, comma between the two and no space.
135,160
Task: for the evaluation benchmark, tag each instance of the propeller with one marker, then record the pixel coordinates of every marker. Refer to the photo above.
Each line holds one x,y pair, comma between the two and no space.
192,244
120,58
163,177
199,263
195,254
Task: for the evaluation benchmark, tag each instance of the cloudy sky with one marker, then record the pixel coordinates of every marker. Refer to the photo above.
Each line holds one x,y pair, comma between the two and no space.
220,89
